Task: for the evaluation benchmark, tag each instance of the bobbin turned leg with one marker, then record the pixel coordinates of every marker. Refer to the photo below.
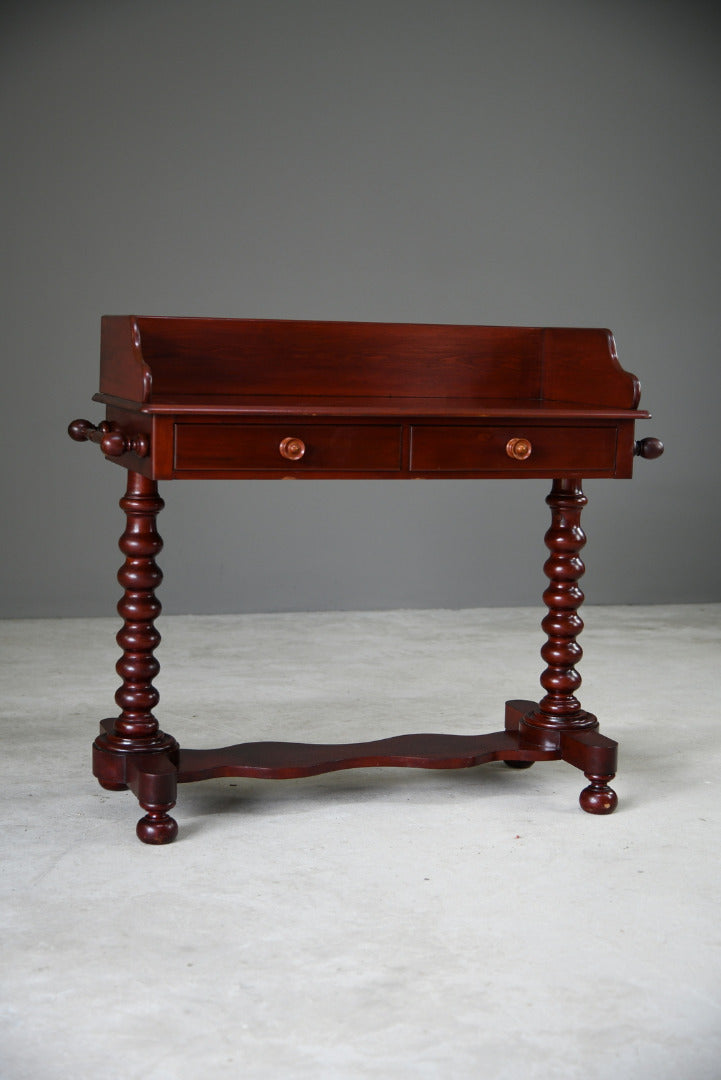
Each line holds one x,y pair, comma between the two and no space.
131,751
559,719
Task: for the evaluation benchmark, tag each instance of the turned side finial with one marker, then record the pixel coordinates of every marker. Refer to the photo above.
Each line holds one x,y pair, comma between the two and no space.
649,448
80,430
111,440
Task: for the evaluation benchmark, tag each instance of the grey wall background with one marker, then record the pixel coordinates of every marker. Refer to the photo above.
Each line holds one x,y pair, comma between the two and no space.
549,163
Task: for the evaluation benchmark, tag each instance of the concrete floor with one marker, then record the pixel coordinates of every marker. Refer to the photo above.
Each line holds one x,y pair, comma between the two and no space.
376,923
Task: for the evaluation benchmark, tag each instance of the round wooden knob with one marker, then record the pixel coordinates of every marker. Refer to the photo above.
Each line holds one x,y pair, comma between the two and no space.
648,448
113,443
519,449
292,448
78,430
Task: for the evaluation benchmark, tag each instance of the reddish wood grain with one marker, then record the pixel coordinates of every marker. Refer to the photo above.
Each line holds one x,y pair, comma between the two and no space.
227,398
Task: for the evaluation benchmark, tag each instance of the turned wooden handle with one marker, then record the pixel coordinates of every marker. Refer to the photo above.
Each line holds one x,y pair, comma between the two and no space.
648,448
111,441
292,448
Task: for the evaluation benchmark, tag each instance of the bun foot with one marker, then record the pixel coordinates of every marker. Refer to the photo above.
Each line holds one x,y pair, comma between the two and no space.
157,827
517,764
598,797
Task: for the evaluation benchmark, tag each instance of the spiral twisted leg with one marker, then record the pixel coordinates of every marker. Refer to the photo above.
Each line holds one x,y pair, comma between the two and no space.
139,607
565,540
560,710
559,713
129,742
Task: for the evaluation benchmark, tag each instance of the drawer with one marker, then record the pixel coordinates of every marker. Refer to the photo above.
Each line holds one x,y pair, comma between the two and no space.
516,449
287,448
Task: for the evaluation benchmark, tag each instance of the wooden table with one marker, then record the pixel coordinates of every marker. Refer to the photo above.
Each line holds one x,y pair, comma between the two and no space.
264,399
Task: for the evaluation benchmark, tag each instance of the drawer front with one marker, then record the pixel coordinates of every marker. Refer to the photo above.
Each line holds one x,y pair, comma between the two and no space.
518,450
289,448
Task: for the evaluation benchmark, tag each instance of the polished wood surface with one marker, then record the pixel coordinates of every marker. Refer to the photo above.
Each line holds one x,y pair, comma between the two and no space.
145,358
265,399
187,398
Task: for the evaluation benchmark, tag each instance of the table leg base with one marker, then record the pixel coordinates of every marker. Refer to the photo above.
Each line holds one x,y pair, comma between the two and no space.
153,775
